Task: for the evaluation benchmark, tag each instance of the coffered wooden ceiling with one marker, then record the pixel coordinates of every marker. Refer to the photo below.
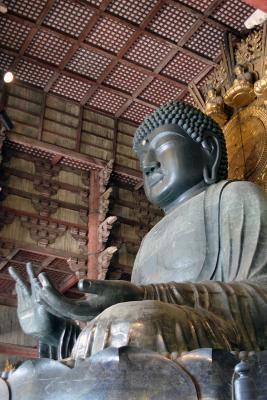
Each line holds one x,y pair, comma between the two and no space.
120,57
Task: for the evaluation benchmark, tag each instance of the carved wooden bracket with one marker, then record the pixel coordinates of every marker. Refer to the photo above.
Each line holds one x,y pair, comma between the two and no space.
84,215
104,231
45,207
104,176
6,248
43,181
78,266
81,236
42,231
45,186
6,217
104,204
84,194
85,178
104,259
46,169
99,199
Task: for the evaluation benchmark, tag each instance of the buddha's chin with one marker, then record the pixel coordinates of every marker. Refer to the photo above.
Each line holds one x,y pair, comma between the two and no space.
158,196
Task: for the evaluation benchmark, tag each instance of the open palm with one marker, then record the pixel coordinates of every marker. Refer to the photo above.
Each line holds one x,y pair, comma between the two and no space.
34,317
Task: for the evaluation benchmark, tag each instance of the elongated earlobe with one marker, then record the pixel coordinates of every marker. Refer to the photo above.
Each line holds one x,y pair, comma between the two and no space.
211,176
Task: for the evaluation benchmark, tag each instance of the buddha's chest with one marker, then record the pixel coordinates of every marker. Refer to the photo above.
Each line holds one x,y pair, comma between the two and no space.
175,249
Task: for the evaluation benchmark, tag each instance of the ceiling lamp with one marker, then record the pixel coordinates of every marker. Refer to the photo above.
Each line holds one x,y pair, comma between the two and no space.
8,77
3,8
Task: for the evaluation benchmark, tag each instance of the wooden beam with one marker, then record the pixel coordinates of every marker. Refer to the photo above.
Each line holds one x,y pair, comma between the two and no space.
93,223
39,250
138,32
46,263
56,159
204,17
30,177
34,28
53,149
20,213
8,258
258,4
30,196
78,157
78,42
18,350
175,49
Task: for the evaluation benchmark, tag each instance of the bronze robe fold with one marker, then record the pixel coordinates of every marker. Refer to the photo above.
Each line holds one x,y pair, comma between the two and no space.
204,270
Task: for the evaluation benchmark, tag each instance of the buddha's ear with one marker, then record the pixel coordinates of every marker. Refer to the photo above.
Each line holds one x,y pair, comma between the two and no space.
212,148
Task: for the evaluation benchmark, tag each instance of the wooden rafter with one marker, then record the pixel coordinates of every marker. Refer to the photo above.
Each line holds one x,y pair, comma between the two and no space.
104,11
77,43
200,19
94,84
90,162
123,51
33,31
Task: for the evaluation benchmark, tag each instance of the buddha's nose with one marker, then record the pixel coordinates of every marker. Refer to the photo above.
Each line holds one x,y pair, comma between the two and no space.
150,167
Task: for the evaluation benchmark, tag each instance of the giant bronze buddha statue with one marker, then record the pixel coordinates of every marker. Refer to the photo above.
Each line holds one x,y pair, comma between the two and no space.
199,278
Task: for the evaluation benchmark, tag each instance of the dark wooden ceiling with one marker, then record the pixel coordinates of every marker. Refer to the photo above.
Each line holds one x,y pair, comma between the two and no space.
120,57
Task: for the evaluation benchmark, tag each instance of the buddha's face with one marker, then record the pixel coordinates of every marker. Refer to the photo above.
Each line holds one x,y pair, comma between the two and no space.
172,163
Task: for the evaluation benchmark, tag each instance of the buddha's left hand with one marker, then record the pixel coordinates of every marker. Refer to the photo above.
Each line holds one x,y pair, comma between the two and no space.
104,295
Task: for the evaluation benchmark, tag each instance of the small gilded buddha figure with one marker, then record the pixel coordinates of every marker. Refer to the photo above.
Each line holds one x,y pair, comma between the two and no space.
241,93
260,87
200,276
215,107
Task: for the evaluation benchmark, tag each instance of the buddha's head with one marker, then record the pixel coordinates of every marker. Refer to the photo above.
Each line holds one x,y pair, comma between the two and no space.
179,148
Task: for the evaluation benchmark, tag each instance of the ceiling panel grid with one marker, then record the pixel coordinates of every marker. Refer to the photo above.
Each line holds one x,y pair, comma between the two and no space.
121,57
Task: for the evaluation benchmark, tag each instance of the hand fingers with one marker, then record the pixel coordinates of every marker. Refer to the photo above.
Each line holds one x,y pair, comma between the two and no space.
93,286
43,278
30,272
67,308
21,283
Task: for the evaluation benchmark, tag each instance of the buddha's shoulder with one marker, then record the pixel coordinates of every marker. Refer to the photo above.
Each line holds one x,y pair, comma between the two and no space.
237,192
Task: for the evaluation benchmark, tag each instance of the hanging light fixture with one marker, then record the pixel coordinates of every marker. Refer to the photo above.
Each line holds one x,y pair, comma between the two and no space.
3,8
8,77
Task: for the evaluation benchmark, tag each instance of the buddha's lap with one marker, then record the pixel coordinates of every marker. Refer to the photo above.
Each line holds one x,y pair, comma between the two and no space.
156,326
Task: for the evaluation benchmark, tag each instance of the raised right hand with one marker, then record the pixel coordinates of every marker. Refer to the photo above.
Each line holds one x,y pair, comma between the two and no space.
33,314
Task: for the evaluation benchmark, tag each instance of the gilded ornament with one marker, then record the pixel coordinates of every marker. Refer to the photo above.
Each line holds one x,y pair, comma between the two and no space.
249,49
216,78
215,107
245,136
241,93
260,87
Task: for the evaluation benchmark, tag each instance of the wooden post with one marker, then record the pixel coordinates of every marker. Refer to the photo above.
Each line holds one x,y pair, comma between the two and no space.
93,223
